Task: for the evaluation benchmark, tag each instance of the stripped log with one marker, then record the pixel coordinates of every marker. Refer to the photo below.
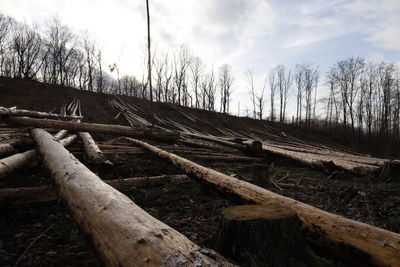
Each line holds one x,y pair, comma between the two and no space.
232,158
318,161
159,135
19,161
327,229
122,233
42,194
35,114
6,149
92,151
207,145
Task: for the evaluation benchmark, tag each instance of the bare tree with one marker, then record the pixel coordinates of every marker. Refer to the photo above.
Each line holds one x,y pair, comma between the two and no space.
272,88
257,99
27,47
284,84
60,41
225,83
182,60
196,69
252,92
5,26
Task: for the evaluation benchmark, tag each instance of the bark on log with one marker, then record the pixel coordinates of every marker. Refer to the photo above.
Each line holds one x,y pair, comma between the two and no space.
35,114
257,235
92,151
326,229
158,135
231,158
122,233
6,149
18,161
207,145
42,194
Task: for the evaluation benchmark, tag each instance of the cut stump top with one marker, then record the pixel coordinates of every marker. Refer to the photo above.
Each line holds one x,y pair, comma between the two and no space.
256,212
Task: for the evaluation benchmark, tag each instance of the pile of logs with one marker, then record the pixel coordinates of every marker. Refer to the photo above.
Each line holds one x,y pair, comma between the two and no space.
125,235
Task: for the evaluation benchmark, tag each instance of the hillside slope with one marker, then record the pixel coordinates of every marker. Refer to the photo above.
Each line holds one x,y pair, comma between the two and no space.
96,108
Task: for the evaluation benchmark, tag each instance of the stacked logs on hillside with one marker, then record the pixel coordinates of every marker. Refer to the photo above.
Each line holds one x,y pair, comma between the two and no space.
124,234
255,141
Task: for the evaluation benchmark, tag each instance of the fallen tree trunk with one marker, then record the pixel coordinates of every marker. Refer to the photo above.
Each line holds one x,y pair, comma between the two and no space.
92,151
6,149
122,233
227,158
326,229
35,114
18,161
321,161
159,135
41,194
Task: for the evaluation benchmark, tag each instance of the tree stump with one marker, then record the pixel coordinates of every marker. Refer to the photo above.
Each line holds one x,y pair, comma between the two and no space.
260,174
254,148
258,235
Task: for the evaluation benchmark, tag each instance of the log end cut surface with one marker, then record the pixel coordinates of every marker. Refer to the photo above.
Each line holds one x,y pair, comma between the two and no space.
256,212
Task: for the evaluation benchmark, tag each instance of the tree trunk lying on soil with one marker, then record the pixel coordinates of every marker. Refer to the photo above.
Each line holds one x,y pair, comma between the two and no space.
159,135
326,229
35,114
92,151
19,161
323,162
12,146
122,233
41,194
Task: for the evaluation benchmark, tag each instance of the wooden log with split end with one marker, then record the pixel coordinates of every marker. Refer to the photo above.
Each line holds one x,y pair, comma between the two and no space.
122,233
35,114
159,135
258,235
339,234
25,159
42,194
92,151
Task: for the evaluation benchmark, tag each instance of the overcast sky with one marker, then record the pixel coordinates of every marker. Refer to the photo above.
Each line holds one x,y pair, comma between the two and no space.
256,34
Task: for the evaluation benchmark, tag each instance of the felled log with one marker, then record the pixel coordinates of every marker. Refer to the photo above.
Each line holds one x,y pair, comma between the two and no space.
122,233
217,140
159,135
228,158
207,145
319,161
327,229
6,149
61,134
92,151
35,114
42,194
258,235
18,161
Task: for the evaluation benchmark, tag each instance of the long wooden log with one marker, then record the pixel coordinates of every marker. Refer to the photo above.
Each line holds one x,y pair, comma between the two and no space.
122,233
159,135
382,246
42,194
7,149
18,161
35,114
92,151
319,161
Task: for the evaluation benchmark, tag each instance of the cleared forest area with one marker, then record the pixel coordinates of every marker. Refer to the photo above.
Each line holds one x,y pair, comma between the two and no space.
177,179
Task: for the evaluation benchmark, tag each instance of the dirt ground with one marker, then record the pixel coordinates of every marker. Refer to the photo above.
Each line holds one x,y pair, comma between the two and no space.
45,235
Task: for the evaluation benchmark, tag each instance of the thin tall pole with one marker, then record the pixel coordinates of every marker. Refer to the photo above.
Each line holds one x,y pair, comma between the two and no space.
149,51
